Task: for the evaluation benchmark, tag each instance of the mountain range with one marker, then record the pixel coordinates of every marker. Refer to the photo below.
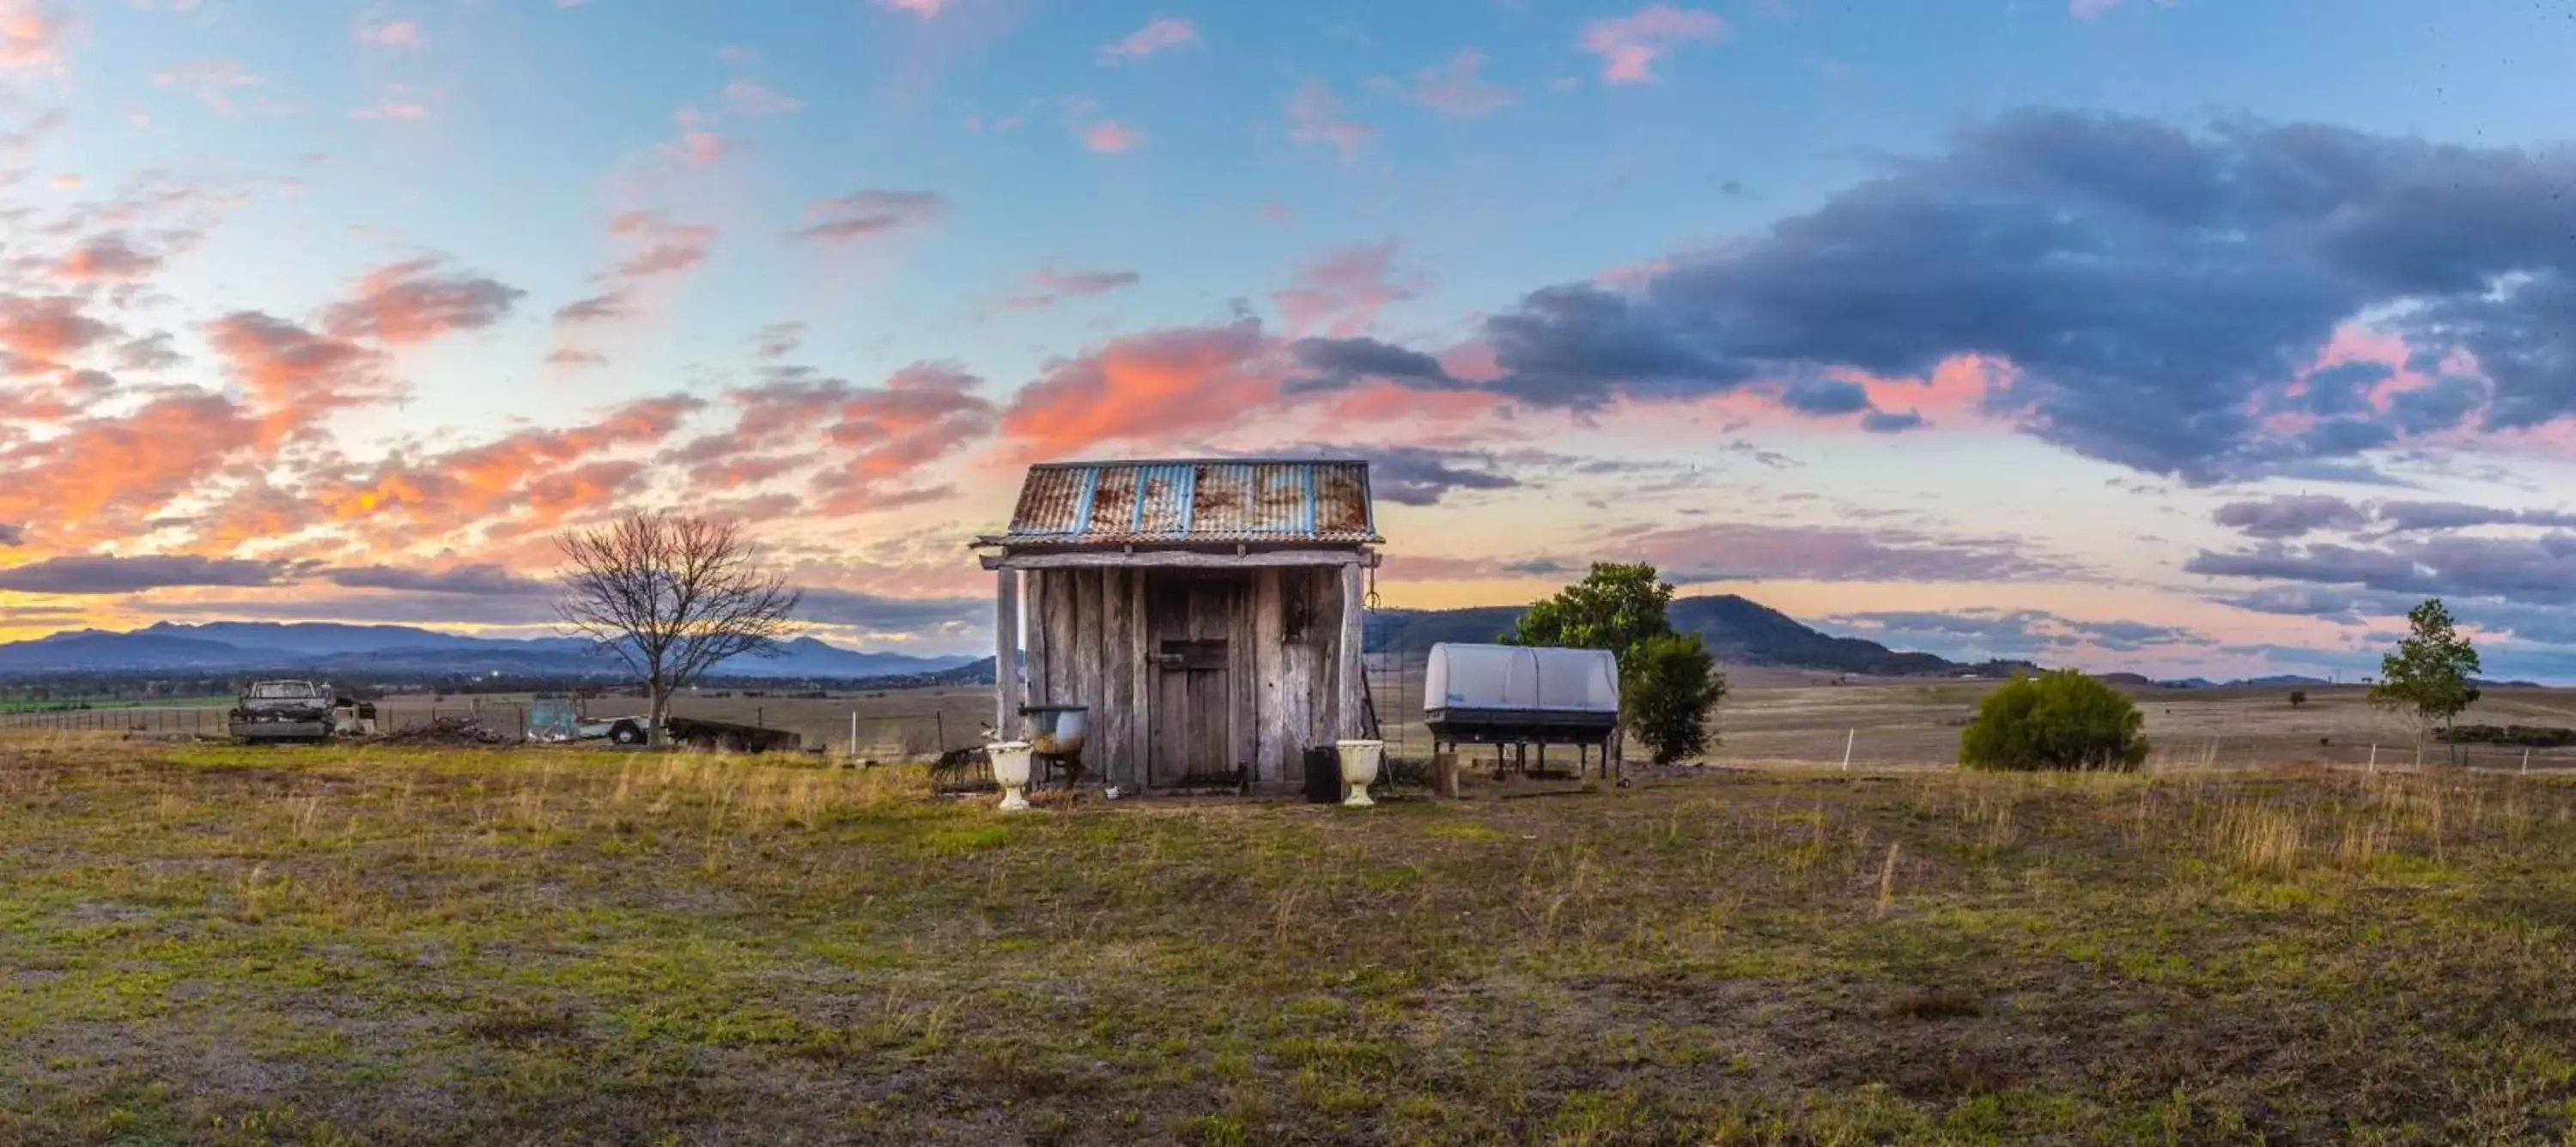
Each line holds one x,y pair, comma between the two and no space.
321,647
1741,632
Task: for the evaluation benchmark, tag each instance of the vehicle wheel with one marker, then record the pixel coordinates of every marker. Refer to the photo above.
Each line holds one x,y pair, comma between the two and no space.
703,743
736,743
626,733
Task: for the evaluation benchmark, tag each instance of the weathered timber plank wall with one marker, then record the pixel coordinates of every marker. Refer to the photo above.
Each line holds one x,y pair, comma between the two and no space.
1292,681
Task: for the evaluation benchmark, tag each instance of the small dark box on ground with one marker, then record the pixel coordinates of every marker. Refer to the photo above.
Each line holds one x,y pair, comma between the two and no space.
1323,775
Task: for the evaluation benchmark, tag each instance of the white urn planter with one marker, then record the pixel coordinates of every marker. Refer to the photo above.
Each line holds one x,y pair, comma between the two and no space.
1359,769
1011,771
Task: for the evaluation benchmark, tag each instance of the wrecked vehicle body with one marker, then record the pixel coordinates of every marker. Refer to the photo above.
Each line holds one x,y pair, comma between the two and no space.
272,711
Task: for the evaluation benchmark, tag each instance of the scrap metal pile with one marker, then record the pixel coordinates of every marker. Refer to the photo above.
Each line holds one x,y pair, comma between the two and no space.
446,731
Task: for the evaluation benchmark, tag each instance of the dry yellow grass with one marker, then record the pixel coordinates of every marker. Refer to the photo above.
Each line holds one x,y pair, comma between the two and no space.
251,946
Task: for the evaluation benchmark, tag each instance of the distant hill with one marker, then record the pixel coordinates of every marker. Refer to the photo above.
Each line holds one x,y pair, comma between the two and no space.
1742,632
382,650
979,672
2282,681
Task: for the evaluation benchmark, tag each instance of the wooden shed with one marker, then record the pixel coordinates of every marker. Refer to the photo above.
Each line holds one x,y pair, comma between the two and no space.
1207,612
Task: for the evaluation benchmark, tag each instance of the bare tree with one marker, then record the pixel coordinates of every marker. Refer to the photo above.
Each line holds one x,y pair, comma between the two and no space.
672,595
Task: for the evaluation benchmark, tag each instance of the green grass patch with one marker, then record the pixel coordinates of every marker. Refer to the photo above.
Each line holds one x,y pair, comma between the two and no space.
235,945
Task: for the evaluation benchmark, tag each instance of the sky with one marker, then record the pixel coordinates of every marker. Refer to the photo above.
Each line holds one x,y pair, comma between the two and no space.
2179,336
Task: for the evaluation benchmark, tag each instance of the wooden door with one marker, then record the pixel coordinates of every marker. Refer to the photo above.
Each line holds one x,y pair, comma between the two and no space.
1190,630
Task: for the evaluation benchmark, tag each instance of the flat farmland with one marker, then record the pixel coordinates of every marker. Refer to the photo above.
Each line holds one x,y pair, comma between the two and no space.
1769,715
1803,717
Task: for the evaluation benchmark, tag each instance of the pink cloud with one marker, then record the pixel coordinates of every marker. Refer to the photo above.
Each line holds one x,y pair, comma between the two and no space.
1956,388
399,34
532,479
1049,286
1146,387
1456,90
40,333
750,100
211,81
1315,115
107,258
922,8
1340,293
875,439
33,36
699,145
870,213
130,465
1110,137
668,247
1628,45
2355,343
1161,34
1474,361
416,301
298,376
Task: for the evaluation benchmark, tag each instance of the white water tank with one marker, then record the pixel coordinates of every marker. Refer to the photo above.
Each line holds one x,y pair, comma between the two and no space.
1513,691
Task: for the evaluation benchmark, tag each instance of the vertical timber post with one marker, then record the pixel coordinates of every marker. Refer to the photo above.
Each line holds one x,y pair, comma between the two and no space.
1353,685
1006,652
854,734
1849,736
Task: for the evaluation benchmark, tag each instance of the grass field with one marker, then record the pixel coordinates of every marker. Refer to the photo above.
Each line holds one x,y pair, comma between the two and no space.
204,944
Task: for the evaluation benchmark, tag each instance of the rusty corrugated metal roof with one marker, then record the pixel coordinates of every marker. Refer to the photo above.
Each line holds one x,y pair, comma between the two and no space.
1212,500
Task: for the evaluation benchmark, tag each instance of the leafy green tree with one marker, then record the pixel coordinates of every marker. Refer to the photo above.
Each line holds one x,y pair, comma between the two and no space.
1671,684
2431,677
2298,697
1664,678
1615,607
2061,719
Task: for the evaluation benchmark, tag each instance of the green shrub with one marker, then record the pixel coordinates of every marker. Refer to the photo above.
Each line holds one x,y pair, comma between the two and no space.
1670,684
2057,720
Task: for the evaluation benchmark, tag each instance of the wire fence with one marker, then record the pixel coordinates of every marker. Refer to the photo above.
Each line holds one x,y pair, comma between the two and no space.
198,720
857,733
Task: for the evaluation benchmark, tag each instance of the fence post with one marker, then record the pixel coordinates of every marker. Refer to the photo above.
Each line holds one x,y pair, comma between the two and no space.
2526,760
1849,736
939,719
854,734
2374,757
